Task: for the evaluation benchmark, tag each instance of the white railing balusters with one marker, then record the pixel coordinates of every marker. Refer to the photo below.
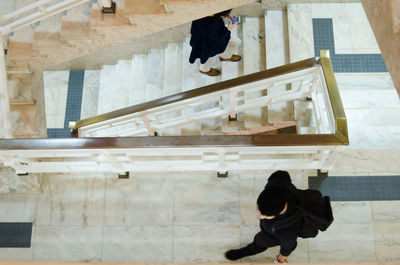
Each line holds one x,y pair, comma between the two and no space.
232,103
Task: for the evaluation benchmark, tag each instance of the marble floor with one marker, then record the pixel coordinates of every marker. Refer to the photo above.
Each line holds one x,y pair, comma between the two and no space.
182,218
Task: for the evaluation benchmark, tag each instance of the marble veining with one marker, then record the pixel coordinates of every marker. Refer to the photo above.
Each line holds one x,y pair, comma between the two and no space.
90,94
55,93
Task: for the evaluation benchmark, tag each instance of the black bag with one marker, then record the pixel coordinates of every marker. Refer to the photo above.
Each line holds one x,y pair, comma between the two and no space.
315,209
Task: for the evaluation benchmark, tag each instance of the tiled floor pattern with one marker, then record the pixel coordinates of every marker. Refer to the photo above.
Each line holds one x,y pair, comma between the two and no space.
343,63
181,218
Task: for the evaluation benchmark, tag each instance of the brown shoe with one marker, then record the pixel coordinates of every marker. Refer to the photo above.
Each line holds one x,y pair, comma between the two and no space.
212,72
234,58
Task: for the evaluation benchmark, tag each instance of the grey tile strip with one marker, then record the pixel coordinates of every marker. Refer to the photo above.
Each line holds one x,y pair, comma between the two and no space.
15,235
343,63
74,104
357,188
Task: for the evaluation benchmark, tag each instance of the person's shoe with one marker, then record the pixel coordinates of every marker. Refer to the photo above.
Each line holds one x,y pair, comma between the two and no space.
235,254
212,72
234,58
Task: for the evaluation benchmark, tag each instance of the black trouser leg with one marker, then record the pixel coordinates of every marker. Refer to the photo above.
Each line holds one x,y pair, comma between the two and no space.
260,244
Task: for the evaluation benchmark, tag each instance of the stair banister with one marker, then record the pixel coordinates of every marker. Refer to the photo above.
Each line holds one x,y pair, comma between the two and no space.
182,153
213,91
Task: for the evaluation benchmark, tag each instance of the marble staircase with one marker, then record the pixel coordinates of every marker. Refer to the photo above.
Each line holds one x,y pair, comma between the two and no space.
163,72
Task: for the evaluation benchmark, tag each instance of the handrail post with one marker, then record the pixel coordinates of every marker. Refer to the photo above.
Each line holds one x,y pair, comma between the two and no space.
5,123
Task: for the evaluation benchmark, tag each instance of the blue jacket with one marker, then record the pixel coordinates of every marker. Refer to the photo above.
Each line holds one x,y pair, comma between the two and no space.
209,38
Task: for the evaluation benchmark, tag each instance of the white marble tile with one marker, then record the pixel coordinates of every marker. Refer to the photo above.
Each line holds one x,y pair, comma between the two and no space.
276,38
352,212
370,99
190,80
173,69
387,237
363,38
254,61
343,243
13,254
68,243
155,74
150,244
301,40
206,200
373,117
55,93
106,90
364,81
374,136
204,244
139,79
172,80
18,207
386,211
11,182
90,96
383,160
142,200
71,200
122,84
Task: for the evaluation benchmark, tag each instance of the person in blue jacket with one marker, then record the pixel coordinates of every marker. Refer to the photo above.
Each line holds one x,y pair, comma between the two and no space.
211,37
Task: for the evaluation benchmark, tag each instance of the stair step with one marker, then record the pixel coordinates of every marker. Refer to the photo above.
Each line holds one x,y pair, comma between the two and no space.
276,45
254,61
55,93
172,79
124,84
155,74
190,80
106,90
76,23
90,93
139,79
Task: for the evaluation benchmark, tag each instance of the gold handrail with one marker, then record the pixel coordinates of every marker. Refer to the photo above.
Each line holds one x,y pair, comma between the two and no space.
334,95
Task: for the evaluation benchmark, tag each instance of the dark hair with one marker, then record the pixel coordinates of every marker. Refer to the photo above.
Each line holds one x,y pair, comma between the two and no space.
223,13
271,201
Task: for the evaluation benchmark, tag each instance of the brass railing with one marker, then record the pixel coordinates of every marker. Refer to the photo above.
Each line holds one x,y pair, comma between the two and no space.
340,137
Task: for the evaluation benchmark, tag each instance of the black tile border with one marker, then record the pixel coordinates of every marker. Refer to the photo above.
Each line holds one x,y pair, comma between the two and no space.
343,63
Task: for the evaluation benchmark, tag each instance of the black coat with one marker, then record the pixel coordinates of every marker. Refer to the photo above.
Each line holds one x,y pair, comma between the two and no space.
209,38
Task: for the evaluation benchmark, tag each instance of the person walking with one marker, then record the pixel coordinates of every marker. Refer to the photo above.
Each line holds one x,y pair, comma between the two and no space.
285,214
211,37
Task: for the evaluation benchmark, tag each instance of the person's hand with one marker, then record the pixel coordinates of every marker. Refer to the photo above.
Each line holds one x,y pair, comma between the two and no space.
231,26
280,258
231,15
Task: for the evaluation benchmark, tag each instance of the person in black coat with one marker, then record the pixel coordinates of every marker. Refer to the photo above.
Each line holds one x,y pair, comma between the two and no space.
209,38
282,220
